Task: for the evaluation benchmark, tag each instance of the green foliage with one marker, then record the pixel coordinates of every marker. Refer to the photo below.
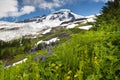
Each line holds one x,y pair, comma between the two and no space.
16,47
86,56
80,55
110,16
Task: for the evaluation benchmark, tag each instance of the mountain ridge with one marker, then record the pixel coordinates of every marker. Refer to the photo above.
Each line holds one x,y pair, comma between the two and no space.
40,24
61,15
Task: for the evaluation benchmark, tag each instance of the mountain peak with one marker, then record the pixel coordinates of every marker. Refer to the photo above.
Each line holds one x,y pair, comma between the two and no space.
60,16
62,10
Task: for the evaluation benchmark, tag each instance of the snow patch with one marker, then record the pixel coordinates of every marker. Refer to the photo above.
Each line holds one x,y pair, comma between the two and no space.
47,31
91,20
86,27
19,62
71,26
48,42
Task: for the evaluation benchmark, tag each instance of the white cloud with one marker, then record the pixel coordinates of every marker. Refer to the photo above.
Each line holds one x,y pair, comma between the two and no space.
23,10
47,4
9,8
6,7
102,0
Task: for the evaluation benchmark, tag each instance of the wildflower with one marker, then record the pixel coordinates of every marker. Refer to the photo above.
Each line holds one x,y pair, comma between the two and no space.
95,60
53,64
44,58
69,72
49,50
68,77
36,58
33,49
56,67
57,75
75,76
43,46
59,65
37,75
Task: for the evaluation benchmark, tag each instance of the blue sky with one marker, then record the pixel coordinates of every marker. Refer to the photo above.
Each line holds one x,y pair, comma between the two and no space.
17,10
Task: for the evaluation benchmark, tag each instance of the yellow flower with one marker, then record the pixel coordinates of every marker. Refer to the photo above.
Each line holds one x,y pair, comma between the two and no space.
69,72
37,75
95,60
60,65
57,75
53,64
56,67
75,76
68,77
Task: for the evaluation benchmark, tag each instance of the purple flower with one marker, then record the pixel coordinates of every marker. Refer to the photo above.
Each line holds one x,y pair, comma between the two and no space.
56,43
33,49
36,58
50,44
44,58
49,50
43,46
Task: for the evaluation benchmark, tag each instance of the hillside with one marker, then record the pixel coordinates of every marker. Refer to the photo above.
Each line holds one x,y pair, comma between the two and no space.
89,50
37,25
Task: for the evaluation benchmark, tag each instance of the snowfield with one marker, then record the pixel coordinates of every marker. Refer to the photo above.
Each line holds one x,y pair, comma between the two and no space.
48,42
19,62
47,31
71,26
18,30
92,18
86,27
40,25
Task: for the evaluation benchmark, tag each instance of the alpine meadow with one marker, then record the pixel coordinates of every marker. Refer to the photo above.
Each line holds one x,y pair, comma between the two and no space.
65,53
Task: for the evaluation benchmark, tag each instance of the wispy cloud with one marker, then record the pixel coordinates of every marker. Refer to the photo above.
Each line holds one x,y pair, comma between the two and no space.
102,0
12,10
23,10
9,8
45,4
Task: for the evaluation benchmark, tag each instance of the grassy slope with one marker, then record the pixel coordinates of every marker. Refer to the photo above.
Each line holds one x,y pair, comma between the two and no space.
85,55
12,51
92,55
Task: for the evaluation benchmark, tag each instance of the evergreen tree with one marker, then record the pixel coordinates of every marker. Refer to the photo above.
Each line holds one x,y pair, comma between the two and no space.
110,14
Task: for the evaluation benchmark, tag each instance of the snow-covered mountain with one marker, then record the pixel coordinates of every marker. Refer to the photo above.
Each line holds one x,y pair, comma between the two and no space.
39,24
55,18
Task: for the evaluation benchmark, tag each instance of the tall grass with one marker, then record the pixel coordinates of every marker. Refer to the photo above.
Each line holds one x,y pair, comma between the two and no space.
87,56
